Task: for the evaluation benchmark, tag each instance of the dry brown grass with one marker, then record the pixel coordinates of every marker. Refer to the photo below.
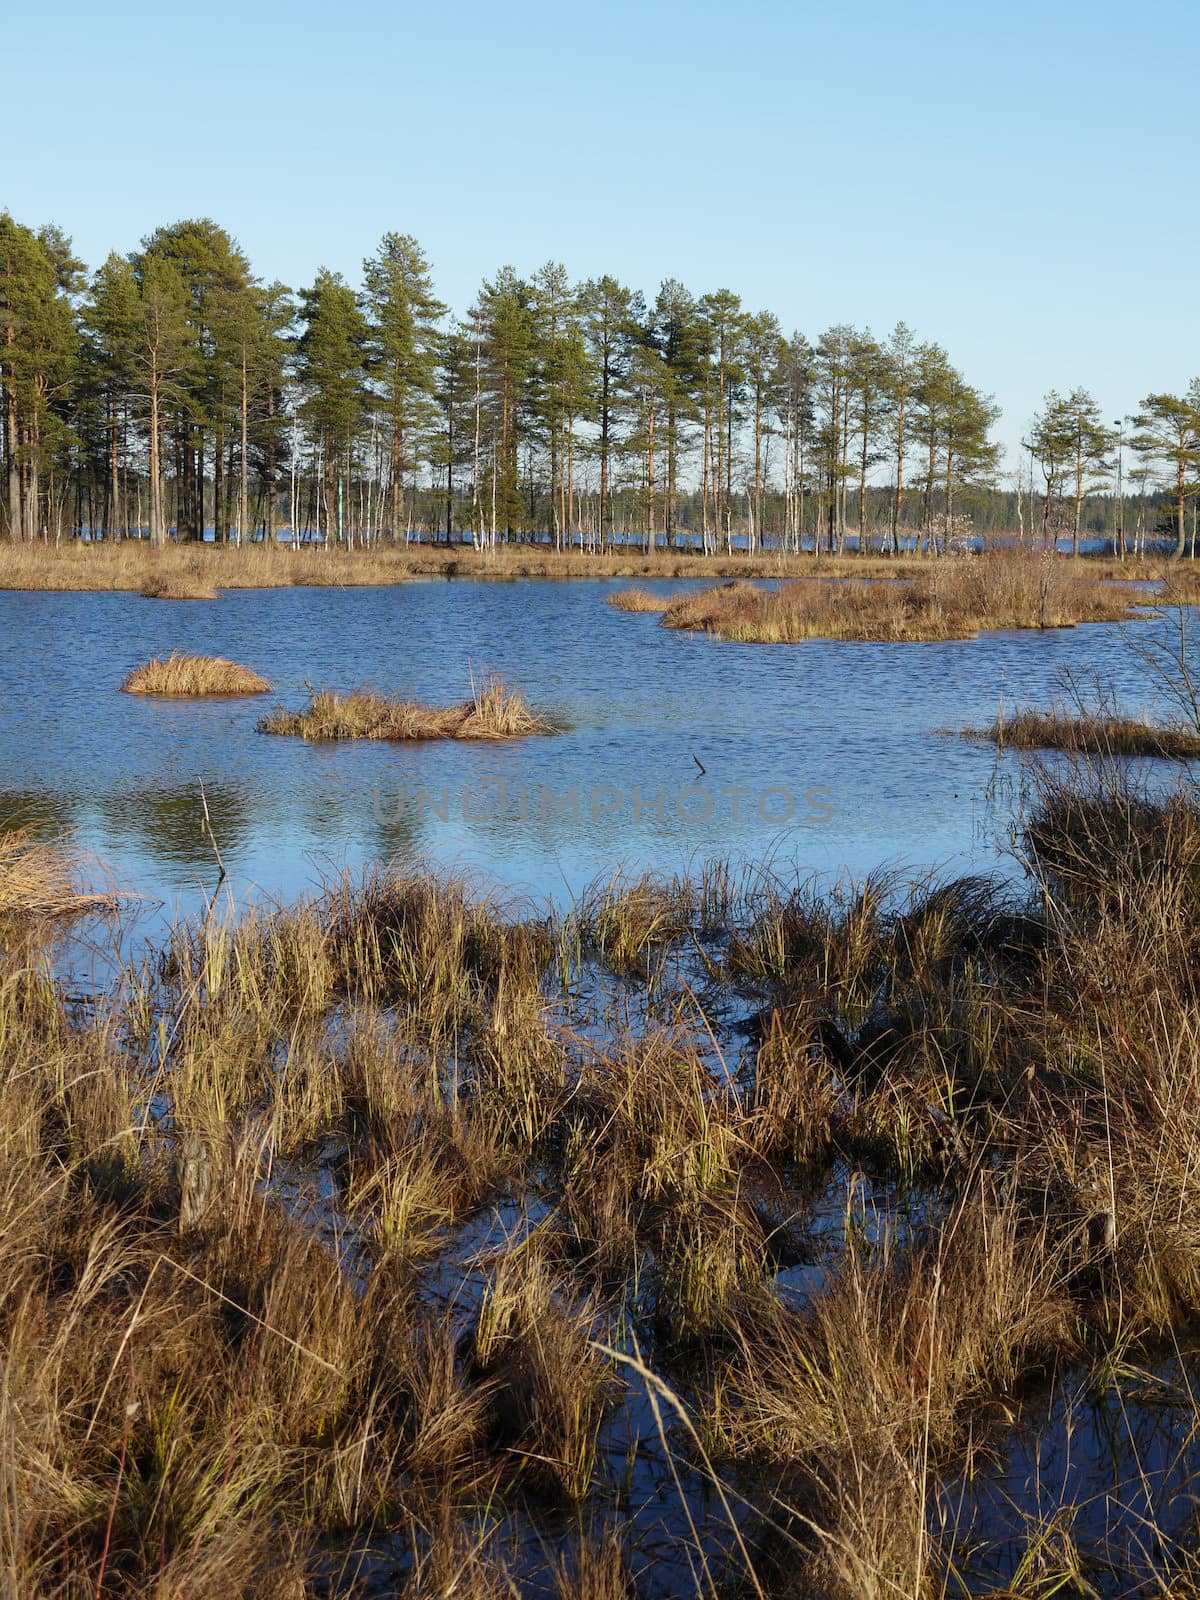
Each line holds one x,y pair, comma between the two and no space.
859,1398
44,879
1060,728
179,674
533,1342
955,598
134,565
494,711
195,571
638,600
177,586
344,1221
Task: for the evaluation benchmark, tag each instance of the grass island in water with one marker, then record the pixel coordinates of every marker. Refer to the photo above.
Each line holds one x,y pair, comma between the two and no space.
494,711
953,599
187,675
1082,732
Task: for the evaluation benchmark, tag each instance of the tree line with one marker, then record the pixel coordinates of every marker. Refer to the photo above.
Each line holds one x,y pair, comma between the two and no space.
171,391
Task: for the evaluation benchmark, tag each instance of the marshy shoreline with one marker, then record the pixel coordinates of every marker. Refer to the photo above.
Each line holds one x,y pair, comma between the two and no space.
199,570
195,570
397,1237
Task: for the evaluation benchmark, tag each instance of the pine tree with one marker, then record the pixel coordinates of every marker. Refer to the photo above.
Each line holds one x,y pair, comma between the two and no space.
933,382
724,339
970,453
1070,442
1049,443
611,314
1168,435
331,370
868,389
1090,443
832,367
402,318
764,368
110,318
553,309
453,388
505,348
217,280
254,326
270,353
900,355
794,402
679,339
39,350
649,381
165,361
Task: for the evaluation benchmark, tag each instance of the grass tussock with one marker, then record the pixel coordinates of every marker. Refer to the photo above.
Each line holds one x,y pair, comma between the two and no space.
1080,732
952,599
44,880
637,600
177,586
494,711
179,674
549,1385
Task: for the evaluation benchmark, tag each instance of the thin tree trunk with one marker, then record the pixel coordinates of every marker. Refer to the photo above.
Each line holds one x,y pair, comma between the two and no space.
158,532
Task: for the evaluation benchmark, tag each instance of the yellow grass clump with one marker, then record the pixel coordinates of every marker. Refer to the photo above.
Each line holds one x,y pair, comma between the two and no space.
41,879
1083,733
638,600
955,598
179,674
494,711
173,586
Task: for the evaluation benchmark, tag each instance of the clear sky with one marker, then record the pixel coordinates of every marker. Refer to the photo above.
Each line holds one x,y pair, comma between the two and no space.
1017,181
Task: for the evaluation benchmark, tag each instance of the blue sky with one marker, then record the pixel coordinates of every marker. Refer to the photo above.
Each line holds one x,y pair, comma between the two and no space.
1018,182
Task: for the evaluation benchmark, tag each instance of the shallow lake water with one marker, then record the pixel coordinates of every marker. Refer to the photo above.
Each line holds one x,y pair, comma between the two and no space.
823,756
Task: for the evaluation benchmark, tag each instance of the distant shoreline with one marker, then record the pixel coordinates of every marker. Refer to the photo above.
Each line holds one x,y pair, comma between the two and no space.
196,570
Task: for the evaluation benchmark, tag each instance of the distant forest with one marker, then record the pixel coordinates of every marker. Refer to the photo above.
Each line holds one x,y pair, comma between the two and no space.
172,393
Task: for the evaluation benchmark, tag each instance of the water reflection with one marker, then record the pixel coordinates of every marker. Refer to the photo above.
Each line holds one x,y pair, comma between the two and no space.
1112,1461
166,826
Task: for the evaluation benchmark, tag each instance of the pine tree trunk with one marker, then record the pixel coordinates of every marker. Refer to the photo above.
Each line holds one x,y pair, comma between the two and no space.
1078,503
13,452
114,474
33,498
158,534
862,496
397,477
244,482
1181,508
220,492
269,486
650,477
672,511
949,494
896,502
605,521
